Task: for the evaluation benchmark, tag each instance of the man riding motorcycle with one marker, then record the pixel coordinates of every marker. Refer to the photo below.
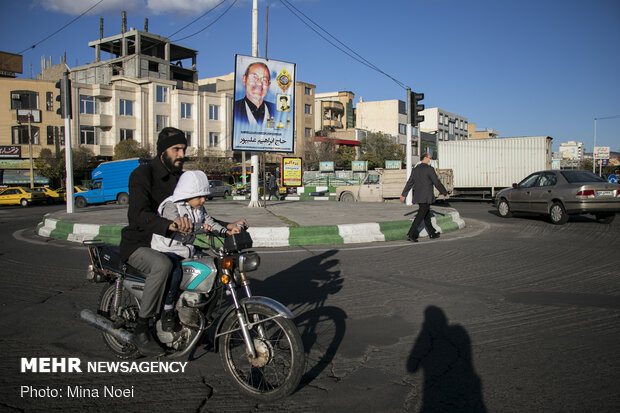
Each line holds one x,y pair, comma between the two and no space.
149,185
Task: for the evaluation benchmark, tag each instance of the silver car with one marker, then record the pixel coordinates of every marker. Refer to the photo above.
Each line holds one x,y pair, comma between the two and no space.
561,193
219,188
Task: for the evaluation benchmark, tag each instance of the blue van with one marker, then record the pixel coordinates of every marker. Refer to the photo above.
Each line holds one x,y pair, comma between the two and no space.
110,181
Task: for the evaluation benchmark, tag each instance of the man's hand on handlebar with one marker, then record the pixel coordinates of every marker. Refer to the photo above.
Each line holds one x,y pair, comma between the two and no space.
181,224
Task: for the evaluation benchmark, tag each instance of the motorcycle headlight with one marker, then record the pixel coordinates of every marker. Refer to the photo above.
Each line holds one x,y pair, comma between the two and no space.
249,261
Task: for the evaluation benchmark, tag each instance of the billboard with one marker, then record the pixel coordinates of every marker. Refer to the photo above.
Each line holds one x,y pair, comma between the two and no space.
264,108
292,174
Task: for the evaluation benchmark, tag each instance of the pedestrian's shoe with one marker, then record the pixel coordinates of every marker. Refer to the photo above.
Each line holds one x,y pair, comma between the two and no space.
412,239
434,235
141,338
170,321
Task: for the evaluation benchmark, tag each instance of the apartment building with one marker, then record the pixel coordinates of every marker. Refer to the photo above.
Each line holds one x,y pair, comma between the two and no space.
334,111
28,124
386,116
446,125
472,133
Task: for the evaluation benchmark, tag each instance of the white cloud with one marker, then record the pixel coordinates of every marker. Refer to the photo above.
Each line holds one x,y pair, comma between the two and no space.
178,7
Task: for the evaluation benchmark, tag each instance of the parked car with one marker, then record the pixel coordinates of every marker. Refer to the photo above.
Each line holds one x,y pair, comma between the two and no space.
76,189
561,193
52,195
219,188
21,196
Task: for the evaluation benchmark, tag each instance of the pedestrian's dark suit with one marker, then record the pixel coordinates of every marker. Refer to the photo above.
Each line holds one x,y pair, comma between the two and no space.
421,180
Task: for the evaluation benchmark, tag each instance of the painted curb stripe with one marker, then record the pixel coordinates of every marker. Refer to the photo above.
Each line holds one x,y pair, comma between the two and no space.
270,236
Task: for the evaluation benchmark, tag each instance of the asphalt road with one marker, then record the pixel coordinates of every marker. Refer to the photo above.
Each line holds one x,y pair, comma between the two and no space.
508,315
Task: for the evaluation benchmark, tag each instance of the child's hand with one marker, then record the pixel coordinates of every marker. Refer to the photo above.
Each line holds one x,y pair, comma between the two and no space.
207,227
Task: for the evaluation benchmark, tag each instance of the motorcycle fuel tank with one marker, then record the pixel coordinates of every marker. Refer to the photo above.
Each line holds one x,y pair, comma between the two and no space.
198,274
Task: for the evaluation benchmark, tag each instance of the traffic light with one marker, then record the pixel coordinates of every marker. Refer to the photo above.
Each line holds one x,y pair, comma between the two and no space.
417,118
64,97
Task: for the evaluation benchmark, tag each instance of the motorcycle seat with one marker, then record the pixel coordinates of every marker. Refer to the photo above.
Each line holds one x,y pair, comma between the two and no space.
111,260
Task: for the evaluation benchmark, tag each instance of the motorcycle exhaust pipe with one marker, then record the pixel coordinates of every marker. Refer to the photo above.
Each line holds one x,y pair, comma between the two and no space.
104,324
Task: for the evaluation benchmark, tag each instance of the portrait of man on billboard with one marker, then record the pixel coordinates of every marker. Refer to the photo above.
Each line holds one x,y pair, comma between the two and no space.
263,111
253,108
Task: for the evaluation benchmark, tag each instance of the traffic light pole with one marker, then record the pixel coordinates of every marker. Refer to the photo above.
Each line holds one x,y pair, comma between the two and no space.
66,111
409,150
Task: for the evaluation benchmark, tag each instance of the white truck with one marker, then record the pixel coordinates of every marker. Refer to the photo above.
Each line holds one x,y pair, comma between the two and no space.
483,166
385,184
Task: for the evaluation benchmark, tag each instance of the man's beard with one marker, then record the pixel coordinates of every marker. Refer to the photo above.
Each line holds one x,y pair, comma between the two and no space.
169,164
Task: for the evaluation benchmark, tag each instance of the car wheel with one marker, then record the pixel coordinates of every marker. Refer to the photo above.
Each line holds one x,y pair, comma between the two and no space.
226,193
557,214
504,209
23,202
209,198
347,197
605,218
122,198
80,202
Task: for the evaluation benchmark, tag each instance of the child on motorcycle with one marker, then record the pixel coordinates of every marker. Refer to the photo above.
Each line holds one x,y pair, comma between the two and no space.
187,201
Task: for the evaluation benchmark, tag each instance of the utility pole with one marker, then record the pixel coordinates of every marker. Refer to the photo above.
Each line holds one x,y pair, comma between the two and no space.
65,111
254,203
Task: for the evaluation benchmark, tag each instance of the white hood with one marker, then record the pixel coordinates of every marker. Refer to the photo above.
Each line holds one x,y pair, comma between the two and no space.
191,184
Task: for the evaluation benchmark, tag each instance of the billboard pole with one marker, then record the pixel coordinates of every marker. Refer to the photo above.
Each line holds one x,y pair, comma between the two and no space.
254,203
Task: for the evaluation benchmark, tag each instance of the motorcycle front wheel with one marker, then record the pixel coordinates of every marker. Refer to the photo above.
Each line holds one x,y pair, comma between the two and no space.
124,317
280,361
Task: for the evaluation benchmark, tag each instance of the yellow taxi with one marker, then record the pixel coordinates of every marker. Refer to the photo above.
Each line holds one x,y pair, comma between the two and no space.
52,196
16,195
63,192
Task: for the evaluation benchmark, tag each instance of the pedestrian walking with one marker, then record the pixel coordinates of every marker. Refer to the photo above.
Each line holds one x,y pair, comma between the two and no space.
421,181
272,186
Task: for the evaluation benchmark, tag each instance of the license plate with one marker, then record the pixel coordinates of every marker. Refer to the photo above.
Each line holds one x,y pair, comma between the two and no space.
604,193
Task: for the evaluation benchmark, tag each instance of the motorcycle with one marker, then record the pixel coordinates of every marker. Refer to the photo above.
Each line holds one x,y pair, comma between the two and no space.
258,342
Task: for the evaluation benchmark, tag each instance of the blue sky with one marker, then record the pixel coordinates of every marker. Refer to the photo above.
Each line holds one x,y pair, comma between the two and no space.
522,67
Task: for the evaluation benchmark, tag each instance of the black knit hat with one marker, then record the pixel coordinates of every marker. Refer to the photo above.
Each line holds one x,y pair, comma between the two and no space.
169,137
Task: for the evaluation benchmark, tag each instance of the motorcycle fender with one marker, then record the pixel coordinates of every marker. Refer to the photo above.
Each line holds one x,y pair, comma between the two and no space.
280,308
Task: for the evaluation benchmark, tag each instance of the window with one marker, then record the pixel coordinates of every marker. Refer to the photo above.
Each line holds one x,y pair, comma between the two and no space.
126,107
161,122
188,136
87,135
50,135
88,105
213,139
49,101
62,136
307,109
126,134
186,110
24,99
402,129
307,91
153,66
548,179
307,132
20,135
162,94
214,112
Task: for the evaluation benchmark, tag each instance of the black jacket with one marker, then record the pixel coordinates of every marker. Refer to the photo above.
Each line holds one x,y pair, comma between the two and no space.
421,180
149,185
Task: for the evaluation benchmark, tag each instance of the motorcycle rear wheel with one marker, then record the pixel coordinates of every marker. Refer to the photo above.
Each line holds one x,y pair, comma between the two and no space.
280,362
124,317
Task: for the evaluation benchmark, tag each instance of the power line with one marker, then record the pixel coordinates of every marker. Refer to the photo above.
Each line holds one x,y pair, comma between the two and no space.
62,28
209,25
354,55
199,17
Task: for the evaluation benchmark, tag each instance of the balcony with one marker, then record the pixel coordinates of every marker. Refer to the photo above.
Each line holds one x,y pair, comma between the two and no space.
332,106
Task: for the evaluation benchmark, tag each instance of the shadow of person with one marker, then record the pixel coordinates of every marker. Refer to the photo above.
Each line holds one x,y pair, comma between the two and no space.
304,288
443,352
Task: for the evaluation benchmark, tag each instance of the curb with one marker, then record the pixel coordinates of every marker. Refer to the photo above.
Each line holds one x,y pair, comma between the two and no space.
269,236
